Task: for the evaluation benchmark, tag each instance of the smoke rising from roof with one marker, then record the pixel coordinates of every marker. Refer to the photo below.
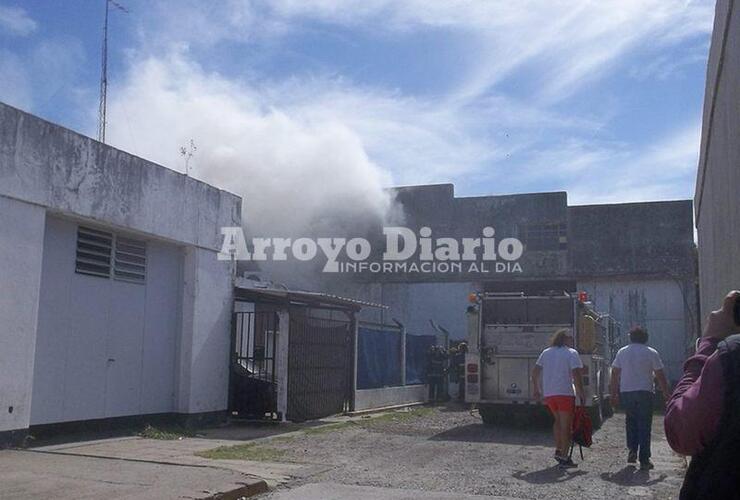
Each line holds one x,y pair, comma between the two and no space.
294,172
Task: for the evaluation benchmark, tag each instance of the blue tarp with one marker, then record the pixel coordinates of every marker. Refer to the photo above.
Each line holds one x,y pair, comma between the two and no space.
378,358
417,348
379,362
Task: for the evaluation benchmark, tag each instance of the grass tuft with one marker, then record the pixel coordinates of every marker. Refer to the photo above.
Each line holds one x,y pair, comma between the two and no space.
248,451
168,433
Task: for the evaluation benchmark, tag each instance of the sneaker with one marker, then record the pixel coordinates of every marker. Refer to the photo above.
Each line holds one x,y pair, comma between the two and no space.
632,457
568,463
646,465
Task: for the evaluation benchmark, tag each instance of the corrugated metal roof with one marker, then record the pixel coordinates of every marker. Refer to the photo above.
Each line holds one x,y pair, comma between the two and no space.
302,296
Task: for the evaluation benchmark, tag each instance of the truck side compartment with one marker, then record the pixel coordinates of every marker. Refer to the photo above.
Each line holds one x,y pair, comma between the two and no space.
507,332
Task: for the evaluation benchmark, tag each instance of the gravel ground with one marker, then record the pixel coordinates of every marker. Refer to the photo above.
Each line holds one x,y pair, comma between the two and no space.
446,449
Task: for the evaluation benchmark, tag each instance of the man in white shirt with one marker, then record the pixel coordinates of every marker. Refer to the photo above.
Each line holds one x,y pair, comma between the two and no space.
560,367
632,387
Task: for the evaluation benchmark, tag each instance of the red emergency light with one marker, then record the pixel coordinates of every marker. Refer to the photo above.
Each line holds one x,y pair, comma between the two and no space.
582,297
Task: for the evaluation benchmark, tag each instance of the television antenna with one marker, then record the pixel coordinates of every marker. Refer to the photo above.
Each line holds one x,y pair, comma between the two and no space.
104,70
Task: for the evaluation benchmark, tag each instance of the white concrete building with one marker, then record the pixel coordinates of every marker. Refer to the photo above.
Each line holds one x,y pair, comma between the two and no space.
112,301
717,211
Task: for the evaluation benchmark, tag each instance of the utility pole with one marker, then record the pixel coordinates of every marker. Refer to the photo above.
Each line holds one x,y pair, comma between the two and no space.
104,71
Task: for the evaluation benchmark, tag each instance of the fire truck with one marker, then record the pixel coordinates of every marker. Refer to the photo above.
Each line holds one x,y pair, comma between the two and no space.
506,334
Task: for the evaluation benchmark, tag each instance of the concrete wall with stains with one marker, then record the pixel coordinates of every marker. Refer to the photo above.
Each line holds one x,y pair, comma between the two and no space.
49,172
47,165
718,181
648,238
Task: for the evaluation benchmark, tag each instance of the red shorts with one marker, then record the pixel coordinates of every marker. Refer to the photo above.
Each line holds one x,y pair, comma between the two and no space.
561,403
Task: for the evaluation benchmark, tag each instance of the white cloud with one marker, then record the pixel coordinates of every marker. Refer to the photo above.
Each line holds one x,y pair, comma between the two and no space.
297,146
571,42
663,67
290,168
664,170
325,139
16,21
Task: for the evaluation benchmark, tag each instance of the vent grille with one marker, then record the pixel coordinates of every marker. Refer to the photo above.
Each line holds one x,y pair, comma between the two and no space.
130,262
100,253
94,249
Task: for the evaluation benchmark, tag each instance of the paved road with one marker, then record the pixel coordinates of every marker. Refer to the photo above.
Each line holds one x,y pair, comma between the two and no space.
449,453
38,475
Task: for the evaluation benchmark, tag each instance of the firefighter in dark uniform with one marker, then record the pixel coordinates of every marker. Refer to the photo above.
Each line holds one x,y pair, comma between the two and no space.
457,360
436,369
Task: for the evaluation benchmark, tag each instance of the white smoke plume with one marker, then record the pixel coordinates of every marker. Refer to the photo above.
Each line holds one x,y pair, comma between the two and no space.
292,170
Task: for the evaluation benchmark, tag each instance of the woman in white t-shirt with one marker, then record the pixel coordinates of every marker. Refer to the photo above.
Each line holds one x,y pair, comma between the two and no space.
560,367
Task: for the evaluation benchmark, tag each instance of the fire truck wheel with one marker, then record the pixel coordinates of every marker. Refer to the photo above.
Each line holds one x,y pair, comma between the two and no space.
488,415
597,417
606,408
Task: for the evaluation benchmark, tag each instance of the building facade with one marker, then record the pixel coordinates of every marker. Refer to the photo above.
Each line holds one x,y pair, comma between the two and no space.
113,302
635,260
718,181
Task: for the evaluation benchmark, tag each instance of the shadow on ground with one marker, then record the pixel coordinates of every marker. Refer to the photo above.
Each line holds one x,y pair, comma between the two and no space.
37,439
235,430
551,475
632,476
452,406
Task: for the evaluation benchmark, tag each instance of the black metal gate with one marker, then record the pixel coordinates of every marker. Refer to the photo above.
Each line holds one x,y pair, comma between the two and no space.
252,387
320,363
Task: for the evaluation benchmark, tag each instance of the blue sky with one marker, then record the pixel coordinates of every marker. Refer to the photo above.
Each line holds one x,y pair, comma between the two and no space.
339,98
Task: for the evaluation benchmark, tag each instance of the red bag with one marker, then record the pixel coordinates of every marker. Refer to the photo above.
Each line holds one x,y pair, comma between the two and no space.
582,430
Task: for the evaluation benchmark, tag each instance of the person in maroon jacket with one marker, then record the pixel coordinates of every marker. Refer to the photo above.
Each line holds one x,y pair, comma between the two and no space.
703,412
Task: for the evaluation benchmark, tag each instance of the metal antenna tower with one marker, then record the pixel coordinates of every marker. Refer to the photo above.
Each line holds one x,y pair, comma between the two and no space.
104,70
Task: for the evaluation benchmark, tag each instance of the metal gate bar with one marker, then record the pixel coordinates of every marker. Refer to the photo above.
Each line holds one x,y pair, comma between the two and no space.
320,361
252,388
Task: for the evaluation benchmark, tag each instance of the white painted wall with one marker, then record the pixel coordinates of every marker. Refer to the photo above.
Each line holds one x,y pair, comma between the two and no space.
203,383
105,347
21,248
718,180
47,169
367,399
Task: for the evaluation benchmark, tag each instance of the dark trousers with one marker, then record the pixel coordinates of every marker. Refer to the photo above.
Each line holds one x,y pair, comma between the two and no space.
435,388
638,405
